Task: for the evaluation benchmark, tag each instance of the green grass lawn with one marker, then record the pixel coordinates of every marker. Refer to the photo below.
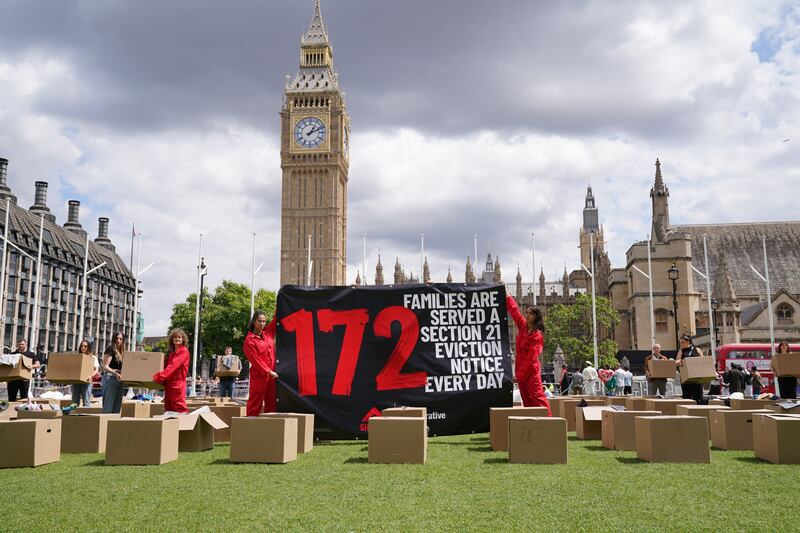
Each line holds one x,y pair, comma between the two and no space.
464,487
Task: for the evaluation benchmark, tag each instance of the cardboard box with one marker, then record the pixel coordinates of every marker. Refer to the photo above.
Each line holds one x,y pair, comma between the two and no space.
672,439
135,409
227,413
85,433
619,431
70,367
667,406
541,440
661,368
196,430
698,370
21,371
89,411
776,438
263,440
589,422
733,429
616,400
305,429
747,404
141,441
786,407
29,442
716,401
138,369
701,410
398,440
567,409
46,414
786,364
637,403
157,409
498,423
406,411
221,371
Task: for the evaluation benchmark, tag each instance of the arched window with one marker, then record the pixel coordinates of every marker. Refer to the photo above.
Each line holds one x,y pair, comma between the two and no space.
785,313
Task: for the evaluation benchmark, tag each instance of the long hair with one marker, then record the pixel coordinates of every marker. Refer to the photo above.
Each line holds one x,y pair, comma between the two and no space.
171,338
119,353
252,325
538,319
89,350
784,343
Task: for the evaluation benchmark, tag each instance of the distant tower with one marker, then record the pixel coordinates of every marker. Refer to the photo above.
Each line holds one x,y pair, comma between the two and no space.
449,276
659,195
541,285
358,278
315,131
498,276
426,272
565,284
398,272
519,286
469,275
591,226
379,272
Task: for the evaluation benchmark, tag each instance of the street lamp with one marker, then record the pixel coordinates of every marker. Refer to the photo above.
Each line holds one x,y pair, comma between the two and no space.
674,274
714,330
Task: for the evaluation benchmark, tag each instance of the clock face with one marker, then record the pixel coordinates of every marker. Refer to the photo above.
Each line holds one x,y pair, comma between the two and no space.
309,132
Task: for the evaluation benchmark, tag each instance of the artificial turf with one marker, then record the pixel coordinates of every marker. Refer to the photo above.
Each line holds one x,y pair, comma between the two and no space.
465,486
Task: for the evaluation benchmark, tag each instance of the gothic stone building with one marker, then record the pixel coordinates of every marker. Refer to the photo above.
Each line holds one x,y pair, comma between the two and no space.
315,132
109,290
742,314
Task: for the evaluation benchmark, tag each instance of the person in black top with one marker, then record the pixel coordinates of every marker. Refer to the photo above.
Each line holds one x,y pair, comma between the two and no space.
690,391
20,387
113,390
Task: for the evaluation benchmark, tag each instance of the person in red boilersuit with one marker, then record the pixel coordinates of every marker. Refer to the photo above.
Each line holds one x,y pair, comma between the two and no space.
530,343
173,377
259,348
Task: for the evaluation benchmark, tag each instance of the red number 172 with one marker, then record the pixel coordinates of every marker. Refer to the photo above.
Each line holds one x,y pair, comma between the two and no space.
355,321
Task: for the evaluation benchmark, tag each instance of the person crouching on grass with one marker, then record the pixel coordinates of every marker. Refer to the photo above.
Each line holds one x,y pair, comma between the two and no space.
173,377
530,343
259,348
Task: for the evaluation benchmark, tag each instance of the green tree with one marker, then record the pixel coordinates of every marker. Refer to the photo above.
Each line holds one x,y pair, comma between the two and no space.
570,326
226,313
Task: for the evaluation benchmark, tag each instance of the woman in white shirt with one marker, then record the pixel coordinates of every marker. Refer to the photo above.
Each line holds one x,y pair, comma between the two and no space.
83,391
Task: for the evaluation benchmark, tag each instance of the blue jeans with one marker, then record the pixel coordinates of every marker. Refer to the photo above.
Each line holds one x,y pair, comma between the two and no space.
113,391
82,391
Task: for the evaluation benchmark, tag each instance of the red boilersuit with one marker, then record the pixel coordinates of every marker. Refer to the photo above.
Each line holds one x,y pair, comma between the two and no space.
260,351
173,377
526,365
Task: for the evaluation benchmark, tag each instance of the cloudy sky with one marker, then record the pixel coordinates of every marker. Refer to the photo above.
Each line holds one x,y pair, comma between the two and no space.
485,118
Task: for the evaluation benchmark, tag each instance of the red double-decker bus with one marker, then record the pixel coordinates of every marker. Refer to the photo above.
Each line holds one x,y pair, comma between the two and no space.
751,355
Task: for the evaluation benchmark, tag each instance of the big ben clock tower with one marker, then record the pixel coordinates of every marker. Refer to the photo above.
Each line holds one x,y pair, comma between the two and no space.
315,132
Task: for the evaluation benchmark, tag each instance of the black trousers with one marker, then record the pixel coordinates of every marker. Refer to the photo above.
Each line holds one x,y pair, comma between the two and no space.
788,386
692,391
19,388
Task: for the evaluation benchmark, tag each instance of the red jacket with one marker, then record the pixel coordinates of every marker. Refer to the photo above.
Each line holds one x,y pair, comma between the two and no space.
177,367
260,349
529,343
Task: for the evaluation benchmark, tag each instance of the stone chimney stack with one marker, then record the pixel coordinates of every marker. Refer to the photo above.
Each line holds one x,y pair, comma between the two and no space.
39,206
5,191
73,223
102,234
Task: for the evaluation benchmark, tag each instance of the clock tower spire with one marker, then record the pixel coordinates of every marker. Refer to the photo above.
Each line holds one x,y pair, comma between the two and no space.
315,131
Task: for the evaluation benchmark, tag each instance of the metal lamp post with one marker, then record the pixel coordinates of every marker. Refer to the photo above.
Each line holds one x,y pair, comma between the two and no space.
674,274
714,330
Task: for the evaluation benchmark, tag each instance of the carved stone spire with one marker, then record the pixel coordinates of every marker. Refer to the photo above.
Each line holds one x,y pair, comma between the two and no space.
426,272
469,275
379,272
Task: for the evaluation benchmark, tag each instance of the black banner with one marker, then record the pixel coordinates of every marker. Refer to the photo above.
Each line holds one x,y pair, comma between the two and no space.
346,353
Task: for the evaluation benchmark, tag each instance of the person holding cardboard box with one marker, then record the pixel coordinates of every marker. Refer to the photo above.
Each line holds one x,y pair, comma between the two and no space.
655,385
690,391
787,385
226,382
173,377
83,391
20,387
259,348
530,343
113,390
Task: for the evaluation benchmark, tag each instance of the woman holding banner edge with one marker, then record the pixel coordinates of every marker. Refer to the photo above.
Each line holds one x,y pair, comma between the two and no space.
530,343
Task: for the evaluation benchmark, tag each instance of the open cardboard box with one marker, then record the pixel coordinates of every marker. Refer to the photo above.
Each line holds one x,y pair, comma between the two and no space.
589,422
22,370
222,371
196,429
